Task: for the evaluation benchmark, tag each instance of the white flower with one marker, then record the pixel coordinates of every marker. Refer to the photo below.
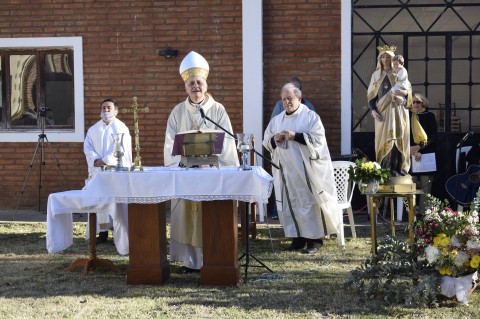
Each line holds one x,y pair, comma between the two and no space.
454,241
473,243
377,166
460,259
432,253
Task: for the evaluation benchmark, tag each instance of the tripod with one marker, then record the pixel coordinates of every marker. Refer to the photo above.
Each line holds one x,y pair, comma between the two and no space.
247,253
40,146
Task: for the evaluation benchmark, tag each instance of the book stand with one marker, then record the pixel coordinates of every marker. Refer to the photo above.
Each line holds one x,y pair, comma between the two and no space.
198,148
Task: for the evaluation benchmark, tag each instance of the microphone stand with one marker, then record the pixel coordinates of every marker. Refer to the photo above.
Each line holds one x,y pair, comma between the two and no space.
459,148
457,182
229,133
247,253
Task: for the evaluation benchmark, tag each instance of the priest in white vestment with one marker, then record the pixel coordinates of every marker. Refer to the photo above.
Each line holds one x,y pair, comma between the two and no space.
186,216
304,183
99,151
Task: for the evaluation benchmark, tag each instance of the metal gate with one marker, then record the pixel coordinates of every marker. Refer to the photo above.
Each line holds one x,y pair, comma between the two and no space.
440,41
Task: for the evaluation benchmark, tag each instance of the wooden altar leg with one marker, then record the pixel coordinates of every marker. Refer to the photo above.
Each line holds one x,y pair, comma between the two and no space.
92,262
148,263
373,224
220,244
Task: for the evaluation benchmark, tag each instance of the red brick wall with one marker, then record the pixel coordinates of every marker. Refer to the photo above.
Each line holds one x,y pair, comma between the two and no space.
302,38
121,59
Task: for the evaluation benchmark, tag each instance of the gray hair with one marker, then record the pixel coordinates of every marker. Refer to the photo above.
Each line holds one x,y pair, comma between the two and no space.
291,86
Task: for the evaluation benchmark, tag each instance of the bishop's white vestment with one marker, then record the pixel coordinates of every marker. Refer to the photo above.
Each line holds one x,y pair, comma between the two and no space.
186,216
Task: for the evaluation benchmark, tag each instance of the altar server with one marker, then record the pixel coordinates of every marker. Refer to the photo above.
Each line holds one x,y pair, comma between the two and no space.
98,148
186,218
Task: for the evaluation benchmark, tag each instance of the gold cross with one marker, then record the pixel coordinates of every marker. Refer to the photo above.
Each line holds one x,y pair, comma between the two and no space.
135,109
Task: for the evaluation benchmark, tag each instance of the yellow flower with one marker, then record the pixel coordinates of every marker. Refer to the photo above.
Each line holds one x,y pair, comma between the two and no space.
475,262
445,271
441,240
368,166
445,241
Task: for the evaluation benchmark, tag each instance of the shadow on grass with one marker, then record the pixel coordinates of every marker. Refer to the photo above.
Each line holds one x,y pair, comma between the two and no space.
301,283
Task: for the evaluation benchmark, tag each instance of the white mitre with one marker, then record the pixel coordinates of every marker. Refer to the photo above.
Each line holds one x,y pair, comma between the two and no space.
194,65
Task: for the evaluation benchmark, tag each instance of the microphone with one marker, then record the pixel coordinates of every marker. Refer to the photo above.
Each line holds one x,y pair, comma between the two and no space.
201,112
465,138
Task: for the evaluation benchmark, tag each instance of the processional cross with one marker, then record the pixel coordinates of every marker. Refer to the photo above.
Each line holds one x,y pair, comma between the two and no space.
137,164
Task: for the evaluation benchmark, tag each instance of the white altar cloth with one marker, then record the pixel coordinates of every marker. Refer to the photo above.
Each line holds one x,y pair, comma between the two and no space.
153,185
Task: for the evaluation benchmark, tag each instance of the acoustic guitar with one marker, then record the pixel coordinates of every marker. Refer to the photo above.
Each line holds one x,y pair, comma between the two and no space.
463,187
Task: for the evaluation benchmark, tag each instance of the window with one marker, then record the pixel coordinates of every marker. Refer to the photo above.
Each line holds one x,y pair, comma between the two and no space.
41,86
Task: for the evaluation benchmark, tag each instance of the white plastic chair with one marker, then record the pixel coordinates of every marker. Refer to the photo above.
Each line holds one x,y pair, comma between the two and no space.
345,189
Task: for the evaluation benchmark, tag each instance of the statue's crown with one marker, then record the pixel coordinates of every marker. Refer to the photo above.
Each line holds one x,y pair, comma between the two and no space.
385,47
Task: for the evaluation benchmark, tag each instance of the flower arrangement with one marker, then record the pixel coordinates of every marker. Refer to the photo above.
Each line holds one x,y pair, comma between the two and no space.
450,239
368,171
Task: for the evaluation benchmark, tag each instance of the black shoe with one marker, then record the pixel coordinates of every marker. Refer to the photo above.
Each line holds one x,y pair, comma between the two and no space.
313,245
186,270
298,243
310,251
102,238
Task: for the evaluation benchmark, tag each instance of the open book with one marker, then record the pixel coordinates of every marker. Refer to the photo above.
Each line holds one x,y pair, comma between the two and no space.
198,142
427,163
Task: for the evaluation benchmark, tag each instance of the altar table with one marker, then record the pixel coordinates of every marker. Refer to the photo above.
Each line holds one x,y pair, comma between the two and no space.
146,192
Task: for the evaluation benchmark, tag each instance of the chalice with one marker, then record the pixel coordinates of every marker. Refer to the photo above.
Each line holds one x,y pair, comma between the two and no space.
244,146
118,152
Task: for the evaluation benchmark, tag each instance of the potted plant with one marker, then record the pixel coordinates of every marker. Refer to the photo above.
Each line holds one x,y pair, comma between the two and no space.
368,175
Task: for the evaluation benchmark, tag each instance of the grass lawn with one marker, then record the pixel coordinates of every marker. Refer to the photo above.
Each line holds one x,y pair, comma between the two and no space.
33,284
